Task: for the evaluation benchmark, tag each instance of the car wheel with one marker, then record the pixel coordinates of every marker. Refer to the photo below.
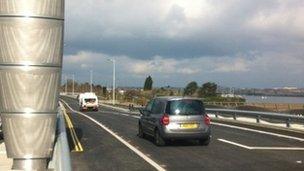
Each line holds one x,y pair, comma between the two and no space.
141,133
205,141
158,139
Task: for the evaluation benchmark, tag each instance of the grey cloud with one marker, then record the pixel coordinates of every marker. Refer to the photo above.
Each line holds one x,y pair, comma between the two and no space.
234,42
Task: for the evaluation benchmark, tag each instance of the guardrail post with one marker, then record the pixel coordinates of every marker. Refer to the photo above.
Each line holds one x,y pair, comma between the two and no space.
258,119
216,114
288,122
289,106
234,116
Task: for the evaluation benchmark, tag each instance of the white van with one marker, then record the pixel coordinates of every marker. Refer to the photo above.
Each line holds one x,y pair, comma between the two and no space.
88,101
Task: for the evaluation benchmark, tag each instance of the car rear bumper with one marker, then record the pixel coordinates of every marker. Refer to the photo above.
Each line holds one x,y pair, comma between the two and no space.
89,107
186,135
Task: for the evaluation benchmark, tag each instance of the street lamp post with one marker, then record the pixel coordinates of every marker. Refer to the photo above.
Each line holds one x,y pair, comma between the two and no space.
91,81
66,84
73,84
114,75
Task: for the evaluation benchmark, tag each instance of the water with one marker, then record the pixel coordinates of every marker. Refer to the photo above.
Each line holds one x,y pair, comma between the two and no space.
273,99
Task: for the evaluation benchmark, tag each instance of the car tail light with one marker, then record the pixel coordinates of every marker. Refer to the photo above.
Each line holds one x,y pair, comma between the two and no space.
165,119
207,119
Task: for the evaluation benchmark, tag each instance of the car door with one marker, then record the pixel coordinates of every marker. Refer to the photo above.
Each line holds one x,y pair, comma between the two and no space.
156,113
145,116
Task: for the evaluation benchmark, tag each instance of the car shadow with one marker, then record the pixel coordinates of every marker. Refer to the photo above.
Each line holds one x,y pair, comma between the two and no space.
175,143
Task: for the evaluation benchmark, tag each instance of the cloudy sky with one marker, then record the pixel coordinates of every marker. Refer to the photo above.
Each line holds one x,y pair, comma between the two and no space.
236,43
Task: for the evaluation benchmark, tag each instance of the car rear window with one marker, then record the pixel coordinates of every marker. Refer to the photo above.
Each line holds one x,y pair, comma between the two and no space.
185,107
90,100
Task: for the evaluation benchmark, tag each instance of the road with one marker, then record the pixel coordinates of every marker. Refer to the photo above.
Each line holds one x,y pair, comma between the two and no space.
232,148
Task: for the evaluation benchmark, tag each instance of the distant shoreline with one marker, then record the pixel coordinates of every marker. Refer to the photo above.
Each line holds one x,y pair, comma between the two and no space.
273,99
272,95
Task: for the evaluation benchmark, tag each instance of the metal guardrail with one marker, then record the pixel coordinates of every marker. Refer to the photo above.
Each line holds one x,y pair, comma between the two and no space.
280,117
270,106
61,160
283,117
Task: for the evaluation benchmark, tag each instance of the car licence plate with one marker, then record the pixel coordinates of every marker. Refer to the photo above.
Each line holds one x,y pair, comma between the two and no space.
189,126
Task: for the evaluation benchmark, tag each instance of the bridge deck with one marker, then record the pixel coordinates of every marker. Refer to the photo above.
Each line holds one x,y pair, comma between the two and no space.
232,147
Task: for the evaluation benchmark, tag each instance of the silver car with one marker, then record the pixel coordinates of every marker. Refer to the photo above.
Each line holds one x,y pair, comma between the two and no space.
169,118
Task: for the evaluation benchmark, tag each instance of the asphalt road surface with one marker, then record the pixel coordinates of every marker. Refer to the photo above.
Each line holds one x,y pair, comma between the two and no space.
232,148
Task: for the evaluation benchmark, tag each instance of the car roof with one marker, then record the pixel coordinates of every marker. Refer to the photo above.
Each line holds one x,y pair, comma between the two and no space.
87,95
169,98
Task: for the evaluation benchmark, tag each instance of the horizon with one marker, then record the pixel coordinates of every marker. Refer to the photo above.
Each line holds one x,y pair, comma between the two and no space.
219,86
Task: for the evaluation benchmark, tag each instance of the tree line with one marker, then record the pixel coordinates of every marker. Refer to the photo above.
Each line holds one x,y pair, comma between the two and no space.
84,87
208,89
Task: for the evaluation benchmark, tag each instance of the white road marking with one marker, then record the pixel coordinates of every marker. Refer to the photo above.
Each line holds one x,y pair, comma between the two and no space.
279,148
134,149
258,131
299,161
261,148
234,143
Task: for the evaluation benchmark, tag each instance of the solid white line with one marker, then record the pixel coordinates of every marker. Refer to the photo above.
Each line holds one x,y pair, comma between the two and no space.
278,148
234,143
261,148
258,131
134,149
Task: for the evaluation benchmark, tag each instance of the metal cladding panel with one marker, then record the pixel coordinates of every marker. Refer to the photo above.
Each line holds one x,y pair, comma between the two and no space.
46,8
23,139
29,89
31,41
31,44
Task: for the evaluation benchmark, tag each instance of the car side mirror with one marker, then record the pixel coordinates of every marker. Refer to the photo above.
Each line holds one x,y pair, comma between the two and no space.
141,111
144,112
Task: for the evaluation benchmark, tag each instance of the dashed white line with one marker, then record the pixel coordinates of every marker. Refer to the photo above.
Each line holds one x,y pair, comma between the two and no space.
134,149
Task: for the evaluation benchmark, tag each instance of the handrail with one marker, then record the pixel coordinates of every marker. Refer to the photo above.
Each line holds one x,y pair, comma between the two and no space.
61,160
